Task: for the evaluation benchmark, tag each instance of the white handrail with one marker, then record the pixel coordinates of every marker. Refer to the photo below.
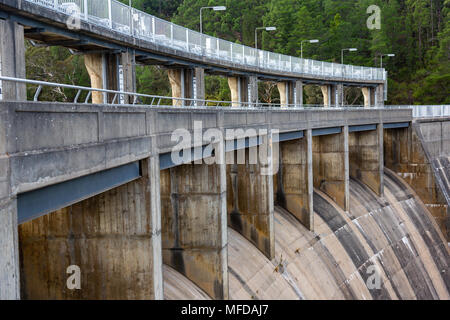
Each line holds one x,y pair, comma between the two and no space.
116,16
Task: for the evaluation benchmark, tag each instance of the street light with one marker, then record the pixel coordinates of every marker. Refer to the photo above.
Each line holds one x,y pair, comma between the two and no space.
262,28
385,55
310,41
347,49
217,8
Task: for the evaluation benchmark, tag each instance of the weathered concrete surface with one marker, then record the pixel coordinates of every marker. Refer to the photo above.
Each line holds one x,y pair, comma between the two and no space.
12,59
326,93
286,90
435,137
330,166
194,224
128,61
250,202
405,155
293,184
395,235
366,158
178,287
379,95
94,66
9,251
112,238
369,96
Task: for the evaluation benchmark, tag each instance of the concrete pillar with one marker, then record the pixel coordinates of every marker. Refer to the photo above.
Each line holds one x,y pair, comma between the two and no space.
369,96
286,90
114,238
294,182
326,93
298,96
339,95
128,64
379,96
94,66
244,90
12,60
194,224
187,84
331,166
9,254
366,158
253,90
250,201
103,70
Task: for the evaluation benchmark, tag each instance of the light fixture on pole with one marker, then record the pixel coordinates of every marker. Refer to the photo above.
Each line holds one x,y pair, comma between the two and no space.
310,41
262,28
385,55
347,49
217,8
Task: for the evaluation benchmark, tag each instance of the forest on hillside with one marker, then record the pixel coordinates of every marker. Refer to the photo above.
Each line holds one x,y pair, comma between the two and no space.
416,31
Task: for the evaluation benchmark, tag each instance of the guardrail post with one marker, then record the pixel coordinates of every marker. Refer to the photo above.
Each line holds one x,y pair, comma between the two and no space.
110,13
55,4
86,14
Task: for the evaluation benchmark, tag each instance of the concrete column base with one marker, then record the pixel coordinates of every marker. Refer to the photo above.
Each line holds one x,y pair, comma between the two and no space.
194,224
114,239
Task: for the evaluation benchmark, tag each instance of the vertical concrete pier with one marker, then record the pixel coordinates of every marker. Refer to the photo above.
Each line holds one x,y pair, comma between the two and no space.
331,166
366,158
12,59
244,90
194,224
104,73
250,202
294,183
113,238
187,84
286,90
369,96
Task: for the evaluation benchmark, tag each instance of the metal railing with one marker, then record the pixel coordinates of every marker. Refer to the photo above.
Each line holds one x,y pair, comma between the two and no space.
113,97
430,111
121,18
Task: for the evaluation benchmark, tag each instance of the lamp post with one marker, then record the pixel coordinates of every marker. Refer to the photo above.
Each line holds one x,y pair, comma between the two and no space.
262,28
310,41
347,49
385,55
217,8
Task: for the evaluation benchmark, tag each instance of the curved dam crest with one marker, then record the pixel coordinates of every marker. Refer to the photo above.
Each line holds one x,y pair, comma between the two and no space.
396,234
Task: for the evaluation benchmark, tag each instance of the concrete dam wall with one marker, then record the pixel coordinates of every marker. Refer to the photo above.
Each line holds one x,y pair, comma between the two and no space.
397,234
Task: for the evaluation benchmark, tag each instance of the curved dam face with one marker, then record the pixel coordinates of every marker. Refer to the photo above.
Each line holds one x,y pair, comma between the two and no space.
383,248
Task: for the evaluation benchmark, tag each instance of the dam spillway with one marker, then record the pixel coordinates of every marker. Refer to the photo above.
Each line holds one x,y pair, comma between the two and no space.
396,233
